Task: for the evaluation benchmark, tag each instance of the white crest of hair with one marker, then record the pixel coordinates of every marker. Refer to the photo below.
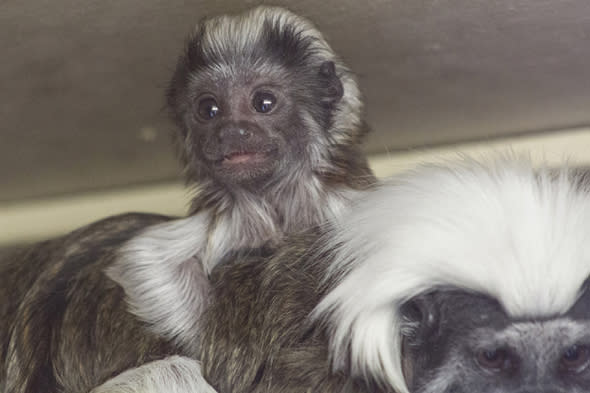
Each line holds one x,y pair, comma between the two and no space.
227,36
231,34
497,227
175,374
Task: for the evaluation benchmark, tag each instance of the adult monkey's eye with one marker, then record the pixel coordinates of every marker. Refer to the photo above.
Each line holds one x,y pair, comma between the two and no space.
575,359
208,108
494,360
264,102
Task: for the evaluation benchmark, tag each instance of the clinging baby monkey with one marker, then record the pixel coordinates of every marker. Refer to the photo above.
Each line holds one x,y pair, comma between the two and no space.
269,132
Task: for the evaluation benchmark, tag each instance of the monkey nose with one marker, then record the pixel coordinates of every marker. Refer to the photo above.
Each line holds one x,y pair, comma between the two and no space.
236,133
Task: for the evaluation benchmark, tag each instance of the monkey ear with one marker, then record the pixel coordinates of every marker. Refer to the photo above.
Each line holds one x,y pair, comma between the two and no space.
331,84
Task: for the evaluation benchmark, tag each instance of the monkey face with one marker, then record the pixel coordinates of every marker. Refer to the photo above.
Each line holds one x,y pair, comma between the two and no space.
242,131
462,342
245,127
261,97
237,131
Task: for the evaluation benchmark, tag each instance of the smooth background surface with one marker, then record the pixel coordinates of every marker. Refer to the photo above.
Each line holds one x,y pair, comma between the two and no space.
82,82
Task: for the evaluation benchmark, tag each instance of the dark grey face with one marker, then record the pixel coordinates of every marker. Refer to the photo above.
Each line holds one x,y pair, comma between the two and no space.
464,343
240,130
245,114
245,128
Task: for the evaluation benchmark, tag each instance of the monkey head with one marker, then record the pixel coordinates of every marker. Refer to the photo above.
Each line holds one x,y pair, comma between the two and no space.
462,279
261,94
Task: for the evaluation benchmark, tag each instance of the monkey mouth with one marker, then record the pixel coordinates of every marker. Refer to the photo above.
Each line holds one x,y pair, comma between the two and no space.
243,158
246,165
246,157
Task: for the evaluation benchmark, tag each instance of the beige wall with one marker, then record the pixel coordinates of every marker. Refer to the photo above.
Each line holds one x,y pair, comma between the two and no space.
42,218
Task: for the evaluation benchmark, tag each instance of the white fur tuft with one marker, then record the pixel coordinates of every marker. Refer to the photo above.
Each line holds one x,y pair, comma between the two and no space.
236,33
165,277
499,228
175,374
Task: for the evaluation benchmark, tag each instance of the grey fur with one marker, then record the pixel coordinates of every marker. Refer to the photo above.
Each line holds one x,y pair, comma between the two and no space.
63,326
257,336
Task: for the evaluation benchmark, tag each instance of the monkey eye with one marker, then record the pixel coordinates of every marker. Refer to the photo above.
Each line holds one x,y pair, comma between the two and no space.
575,358
494,360
208,108
264,102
